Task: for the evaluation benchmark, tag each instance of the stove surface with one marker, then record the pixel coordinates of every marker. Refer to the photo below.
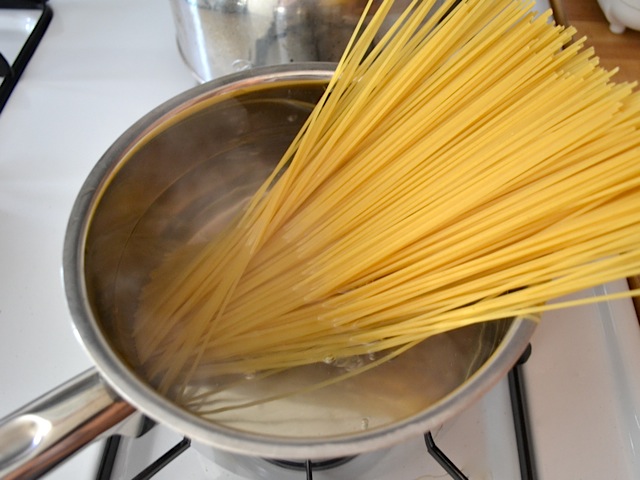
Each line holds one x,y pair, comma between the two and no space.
102,65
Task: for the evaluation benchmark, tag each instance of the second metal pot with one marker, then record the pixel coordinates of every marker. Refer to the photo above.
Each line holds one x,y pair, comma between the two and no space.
219,37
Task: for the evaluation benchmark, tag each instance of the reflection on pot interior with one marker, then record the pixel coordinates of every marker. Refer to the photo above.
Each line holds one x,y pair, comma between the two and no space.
187,184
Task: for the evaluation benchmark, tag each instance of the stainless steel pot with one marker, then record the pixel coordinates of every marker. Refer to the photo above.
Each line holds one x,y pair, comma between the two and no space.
218,37
194,158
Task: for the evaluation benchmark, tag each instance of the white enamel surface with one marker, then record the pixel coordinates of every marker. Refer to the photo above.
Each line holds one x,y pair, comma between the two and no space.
15,27
101,65
585,391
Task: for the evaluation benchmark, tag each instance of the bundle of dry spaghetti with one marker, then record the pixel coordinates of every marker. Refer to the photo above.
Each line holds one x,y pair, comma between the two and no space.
471,165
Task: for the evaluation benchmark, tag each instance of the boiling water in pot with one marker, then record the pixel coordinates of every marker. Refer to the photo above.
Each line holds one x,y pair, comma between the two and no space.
189,179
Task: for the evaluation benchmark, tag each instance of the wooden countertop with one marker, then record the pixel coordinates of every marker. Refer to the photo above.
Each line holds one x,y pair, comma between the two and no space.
622,51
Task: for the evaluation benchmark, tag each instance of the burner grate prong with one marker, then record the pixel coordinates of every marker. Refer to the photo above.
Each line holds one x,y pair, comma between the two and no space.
444,461
164,460
10,74
518,396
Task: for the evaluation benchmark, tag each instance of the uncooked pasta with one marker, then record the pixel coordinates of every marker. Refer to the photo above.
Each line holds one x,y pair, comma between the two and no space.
472,164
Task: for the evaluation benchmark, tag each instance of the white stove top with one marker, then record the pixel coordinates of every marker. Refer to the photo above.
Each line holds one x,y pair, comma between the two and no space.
101,66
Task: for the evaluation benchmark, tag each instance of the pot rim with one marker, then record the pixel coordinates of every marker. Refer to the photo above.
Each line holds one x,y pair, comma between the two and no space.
145,399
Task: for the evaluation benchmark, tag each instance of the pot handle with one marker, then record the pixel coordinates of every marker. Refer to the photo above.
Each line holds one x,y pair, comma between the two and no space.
48,430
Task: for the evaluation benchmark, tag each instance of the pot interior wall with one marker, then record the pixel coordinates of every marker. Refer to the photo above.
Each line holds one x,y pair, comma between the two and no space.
181,184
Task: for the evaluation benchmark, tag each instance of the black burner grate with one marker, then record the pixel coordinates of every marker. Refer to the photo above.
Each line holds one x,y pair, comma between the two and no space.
520,411
10,73
444,461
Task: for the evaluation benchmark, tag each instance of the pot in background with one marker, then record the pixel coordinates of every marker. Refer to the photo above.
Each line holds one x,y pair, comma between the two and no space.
218,37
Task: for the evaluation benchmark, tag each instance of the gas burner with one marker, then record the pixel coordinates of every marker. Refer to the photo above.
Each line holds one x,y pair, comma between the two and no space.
24,23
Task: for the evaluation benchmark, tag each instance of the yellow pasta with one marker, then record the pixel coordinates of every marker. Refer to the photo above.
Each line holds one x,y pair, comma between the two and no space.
471,166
